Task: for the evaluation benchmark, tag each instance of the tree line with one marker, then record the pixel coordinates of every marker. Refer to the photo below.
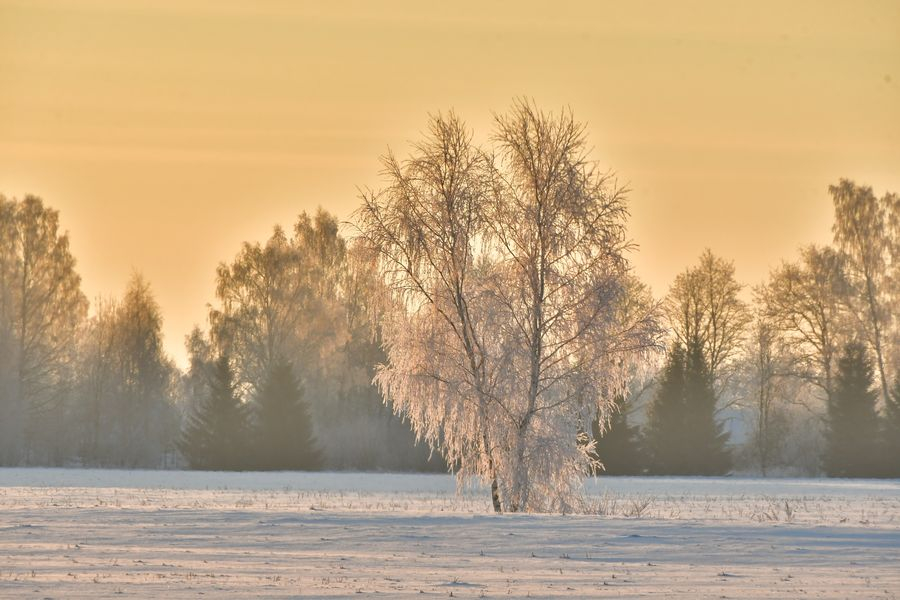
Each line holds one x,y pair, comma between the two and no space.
280,379
479,312
807,369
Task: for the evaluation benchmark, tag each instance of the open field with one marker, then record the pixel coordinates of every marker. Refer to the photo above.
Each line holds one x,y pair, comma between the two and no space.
113,534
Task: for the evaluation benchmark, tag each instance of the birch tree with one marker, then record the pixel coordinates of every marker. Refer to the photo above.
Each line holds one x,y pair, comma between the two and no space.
41,307
765,370
98,385
428,231
124,406
704,310
279,301
258,317
805,303
506,274
559,226
12,409
863,227
145,417
307,299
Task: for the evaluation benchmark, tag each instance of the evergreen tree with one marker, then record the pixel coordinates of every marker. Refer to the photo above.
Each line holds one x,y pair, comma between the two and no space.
216,435
284,437
663,435
618,448
852,436
683,436
892,432
707,436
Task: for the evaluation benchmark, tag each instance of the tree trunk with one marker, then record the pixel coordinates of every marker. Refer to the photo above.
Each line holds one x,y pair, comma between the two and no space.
495,487
495,491
521,483
876,327
761,433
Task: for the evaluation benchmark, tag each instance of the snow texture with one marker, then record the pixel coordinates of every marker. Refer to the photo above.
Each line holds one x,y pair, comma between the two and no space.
112,534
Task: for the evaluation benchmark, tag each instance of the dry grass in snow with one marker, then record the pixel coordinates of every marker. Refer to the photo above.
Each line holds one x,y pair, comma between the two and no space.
113,534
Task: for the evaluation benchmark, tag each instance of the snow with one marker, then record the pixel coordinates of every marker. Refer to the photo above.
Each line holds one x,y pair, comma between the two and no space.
109,534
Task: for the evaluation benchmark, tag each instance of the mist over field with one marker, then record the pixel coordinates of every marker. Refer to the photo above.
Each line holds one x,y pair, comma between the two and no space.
590,299
434,337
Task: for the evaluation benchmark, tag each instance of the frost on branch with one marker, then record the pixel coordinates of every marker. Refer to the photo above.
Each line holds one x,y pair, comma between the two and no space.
513,317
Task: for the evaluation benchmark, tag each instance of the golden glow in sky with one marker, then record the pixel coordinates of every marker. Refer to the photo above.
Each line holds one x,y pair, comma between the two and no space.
167,133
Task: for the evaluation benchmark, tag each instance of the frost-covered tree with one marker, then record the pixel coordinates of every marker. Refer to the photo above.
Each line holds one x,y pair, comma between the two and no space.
309,300
195,380
365,433
428,230
853,427
260,307
705,311
12,407
765,369
217,434
41,310
805,304
145,417
283,435
864,229
507,277
98,386
124,402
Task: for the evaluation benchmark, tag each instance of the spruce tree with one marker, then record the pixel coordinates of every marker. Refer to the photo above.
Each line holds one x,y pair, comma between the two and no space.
683,436
891,431
853,428
707,436
618,448
664,437
284,436
216,435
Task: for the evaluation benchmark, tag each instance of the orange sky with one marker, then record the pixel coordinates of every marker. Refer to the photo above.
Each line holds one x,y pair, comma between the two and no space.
168,132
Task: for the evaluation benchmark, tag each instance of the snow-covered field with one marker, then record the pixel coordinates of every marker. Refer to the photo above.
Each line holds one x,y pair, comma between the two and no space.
109,534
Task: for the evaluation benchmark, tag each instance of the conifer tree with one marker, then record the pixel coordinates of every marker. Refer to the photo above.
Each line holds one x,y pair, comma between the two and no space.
216,435
704,432
663,435
852,436
683,436
618,447
284,436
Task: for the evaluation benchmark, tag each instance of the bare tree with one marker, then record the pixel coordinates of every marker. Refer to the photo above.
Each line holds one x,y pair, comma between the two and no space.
98,386
765,366
428,231
805,305
195,380
862,230
146,415
279,301
704,310
12,408
124,405
42,306
559,226
308,300
506,282
255,324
